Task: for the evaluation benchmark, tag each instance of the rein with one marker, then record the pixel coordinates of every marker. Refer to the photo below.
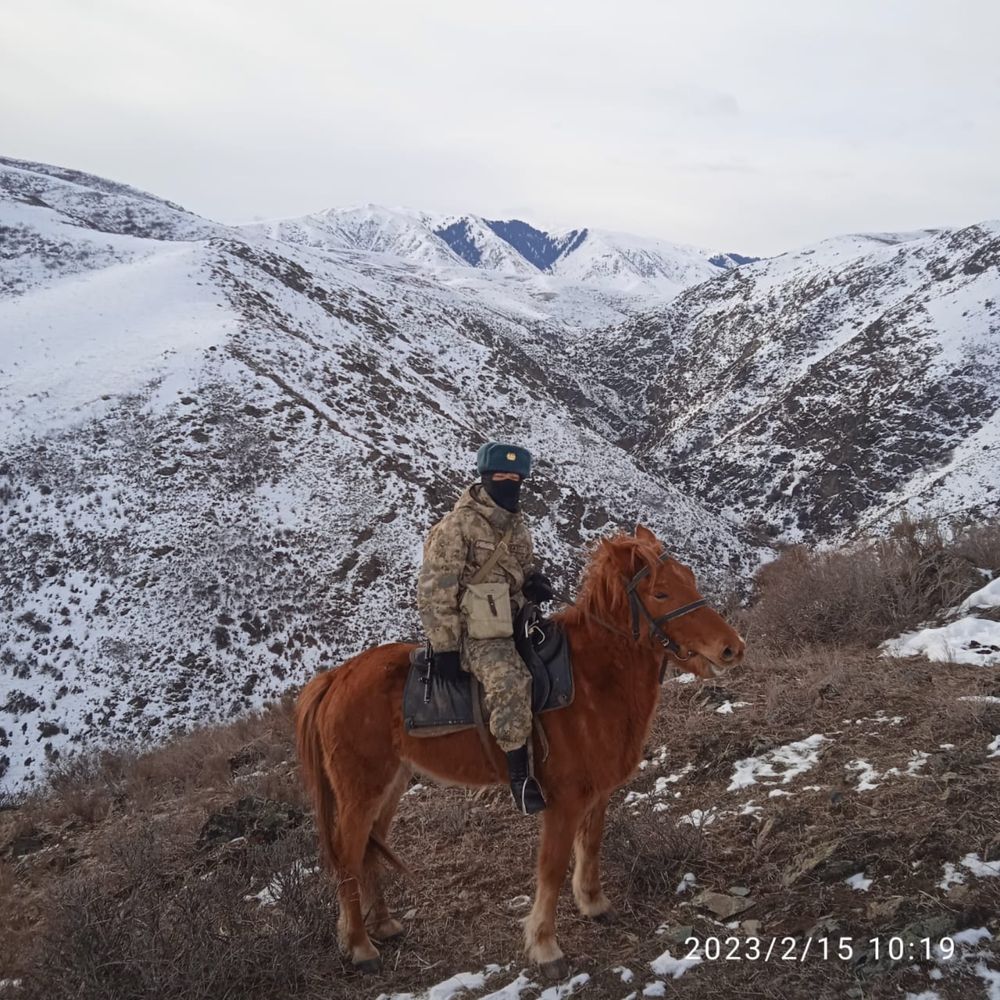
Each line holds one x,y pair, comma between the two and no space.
636,606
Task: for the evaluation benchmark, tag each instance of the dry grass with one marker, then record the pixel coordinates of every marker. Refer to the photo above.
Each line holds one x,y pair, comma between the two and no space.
122,901
110,891
872,591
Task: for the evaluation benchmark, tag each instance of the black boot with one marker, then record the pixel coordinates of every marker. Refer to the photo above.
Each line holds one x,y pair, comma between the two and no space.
527,795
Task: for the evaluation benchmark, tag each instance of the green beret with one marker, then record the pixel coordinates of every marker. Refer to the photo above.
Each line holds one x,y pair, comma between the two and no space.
497,457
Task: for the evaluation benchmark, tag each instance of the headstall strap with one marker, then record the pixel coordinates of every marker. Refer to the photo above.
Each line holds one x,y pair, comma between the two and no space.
636,606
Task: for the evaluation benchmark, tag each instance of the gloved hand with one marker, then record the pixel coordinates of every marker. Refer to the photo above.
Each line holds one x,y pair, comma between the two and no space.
448,665
537,587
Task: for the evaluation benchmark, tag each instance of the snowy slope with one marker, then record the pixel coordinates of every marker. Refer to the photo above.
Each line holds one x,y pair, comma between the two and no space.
220,457
221,446
823,390
581,278
622,263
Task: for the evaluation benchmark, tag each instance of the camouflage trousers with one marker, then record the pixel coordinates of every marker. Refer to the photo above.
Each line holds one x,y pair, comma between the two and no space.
506,682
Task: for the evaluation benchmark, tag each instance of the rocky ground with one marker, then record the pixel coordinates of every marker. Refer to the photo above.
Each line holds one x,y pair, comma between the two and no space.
831,794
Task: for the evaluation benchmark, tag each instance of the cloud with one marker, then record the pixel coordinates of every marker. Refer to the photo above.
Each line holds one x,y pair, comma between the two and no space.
738,126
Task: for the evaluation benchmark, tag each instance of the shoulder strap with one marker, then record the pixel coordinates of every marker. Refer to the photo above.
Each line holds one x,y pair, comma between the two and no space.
484,570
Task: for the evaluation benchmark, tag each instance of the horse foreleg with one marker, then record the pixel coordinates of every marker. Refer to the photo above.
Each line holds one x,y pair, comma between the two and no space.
587,891
384,927
559,823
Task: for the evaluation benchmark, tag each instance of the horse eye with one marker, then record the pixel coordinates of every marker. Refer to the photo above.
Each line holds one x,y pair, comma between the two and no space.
660,596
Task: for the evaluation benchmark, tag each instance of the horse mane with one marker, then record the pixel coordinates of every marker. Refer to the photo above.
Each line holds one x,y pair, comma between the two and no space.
612,563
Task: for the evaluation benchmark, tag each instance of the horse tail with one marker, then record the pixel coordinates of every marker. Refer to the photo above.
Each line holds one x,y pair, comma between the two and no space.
309,742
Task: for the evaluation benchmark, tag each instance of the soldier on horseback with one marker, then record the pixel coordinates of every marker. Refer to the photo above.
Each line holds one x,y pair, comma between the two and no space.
476,575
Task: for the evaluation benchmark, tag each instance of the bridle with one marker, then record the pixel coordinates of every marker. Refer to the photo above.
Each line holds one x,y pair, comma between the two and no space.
636,606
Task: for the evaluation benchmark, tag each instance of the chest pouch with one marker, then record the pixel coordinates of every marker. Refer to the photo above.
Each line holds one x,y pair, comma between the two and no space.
486,606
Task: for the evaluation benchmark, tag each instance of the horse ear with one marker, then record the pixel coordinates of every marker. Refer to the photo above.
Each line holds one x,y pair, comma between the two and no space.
644,534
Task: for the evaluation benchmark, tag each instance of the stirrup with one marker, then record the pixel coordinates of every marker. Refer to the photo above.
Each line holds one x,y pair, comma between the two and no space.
528,799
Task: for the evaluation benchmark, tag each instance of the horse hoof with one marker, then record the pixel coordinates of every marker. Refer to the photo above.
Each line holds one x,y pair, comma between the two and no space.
368,966
556,969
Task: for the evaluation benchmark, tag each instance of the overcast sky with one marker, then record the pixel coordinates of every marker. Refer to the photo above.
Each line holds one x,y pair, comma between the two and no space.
749,126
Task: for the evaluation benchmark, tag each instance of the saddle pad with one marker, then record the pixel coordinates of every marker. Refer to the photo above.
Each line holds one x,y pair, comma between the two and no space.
432,706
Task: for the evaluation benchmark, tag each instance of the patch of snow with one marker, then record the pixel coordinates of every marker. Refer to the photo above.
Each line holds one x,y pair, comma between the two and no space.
655,989
272,893
869,777
971,936
985,597
700,818
983,699
859,882
994,747
726,708
973,865
667,965
992,979
973,641
561,990
513,990
627,975
687,882
784,763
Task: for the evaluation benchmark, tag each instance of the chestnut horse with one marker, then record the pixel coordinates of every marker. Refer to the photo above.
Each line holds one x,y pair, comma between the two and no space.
357,757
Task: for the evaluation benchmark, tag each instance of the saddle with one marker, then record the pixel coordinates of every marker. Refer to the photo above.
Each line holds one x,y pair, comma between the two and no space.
432,706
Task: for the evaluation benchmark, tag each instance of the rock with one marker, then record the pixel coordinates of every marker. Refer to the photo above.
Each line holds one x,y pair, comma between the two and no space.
739,890
885,909
825,927
246,758
29,842
720,904
805,863
835,869
934,928
678,935
958,894
765,831
992,852
259,820
751,928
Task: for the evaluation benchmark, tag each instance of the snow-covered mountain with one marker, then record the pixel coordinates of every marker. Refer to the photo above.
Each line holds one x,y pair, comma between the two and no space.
616,272
220,446
826,390
221,450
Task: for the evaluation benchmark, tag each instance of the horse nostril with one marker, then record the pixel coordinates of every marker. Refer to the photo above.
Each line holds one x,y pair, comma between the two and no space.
727,653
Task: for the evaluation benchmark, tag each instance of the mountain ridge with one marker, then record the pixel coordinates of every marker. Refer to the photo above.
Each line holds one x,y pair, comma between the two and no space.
223,445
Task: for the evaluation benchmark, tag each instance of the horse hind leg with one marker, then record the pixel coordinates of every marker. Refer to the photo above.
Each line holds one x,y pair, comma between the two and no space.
351,842
383,926
587,891
360,787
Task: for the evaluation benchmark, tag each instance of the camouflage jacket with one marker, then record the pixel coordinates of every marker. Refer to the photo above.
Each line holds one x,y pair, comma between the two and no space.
461,542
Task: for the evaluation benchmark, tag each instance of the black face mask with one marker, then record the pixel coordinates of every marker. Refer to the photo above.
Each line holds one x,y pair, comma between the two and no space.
504,493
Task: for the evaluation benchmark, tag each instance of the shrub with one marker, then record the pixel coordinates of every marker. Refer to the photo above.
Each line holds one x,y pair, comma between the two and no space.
151,926
872,590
